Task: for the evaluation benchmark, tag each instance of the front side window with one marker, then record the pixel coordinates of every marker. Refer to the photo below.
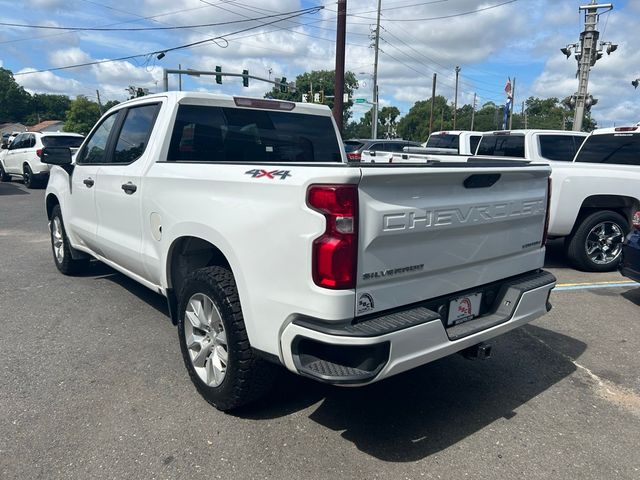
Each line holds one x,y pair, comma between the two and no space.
557,147
502,146
135,132
616,148
18,142
219,134
95,151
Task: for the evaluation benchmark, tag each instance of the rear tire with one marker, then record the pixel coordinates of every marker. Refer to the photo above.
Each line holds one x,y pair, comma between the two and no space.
596,244
61,248
214,343
27,176
4,176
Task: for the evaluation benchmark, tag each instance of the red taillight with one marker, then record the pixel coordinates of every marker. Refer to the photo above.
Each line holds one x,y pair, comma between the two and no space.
335,252
547,213
636,220
39,153
354,157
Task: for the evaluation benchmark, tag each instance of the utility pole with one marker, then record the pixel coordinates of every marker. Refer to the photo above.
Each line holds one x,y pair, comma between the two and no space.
524,115
433,99
338,100
455,101
587,56
374,111
99,102
473,112
513,99
179,78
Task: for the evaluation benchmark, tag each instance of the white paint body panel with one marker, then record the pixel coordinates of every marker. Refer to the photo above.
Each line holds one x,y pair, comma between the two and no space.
265,229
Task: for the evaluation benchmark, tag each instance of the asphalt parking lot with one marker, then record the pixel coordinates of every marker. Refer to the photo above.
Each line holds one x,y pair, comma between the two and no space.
92,385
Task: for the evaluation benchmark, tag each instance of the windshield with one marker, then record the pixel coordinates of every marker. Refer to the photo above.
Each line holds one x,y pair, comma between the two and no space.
502,146
62,141
616,148
444,141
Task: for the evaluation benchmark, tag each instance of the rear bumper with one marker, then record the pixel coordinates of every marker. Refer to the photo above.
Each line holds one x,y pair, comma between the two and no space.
370,349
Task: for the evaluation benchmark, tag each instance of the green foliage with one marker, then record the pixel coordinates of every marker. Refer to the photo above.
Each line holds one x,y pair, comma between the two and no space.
82,115
14,100
322,81
110,104
48,107
362,128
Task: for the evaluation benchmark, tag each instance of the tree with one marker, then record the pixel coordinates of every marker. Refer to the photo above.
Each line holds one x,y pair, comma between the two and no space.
362,128
14,100
321,81
110,104
415,124
48,107
82,115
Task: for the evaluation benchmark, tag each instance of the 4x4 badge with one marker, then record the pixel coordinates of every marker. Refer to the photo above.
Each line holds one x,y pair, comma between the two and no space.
256,173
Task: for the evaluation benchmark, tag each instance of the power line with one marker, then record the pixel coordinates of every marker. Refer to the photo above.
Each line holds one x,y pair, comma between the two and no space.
172,49
470,12
140,29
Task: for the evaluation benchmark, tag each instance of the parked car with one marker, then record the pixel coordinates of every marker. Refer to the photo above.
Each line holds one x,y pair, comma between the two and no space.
356,147
455,142
630,264
270,247
23,157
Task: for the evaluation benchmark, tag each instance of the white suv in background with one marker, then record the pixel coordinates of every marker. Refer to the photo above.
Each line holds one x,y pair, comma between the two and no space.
23,156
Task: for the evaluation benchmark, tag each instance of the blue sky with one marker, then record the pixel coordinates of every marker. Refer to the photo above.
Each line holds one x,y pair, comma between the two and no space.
520,39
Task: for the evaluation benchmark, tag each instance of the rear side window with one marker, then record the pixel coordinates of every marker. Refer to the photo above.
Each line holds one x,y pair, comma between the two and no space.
444,141
62,141
502,146
135,133
474,140
219,134
615,148
557,147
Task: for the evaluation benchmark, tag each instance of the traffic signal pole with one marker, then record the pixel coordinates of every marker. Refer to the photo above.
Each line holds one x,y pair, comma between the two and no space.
338,101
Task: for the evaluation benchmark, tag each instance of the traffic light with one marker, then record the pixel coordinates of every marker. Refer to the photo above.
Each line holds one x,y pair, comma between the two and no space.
218,77
635,82
283,85
245,78
318,97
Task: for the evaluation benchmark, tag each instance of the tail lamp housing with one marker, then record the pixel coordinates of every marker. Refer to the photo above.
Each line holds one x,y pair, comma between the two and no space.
635,220
334,259
547,214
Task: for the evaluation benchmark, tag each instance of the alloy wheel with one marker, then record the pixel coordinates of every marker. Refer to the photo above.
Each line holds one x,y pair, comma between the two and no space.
206,339
604,242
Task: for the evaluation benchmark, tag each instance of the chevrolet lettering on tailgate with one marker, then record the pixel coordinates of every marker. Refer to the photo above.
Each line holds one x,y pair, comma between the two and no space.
420,219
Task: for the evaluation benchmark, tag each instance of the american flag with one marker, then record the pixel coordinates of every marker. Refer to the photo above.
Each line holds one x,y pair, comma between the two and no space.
507,87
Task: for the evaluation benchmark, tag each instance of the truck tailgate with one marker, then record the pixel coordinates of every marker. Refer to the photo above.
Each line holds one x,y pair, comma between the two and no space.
431,231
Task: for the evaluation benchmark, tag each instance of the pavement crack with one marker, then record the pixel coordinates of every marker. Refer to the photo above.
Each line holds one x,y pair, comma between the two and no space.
616,394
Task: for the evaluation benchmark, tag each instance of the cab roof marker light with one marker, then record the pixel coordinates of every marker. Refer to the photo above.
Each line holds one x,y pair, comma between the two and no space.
626,129
263,103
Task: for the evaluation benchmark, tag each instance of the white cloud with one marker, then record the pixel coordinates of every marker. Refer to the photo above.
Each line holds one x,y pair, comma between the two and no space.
47,82
68,56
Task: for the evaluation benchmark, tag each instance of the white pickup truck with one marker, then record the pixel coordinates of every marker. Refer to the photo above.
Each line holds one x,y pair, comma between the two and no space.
271,248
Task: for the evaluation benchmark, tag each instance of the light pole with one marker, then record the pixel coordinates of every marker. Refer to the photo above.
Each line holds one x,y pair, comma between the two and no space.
455,101
587,54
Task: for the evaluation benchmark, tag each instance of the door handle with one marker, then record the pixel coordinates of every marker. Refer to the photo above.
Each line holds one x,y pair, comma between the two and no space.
129,188
88,182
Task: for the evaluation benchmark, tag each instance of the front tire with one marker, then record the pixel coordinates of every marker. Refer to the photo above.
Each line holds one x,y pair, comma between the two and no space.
214,343
596,244
61,248
4,176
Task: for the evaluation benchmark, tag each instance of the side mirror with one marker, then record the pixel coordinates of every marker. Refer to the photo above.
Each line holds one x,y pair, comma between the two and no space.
4,146
56,156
